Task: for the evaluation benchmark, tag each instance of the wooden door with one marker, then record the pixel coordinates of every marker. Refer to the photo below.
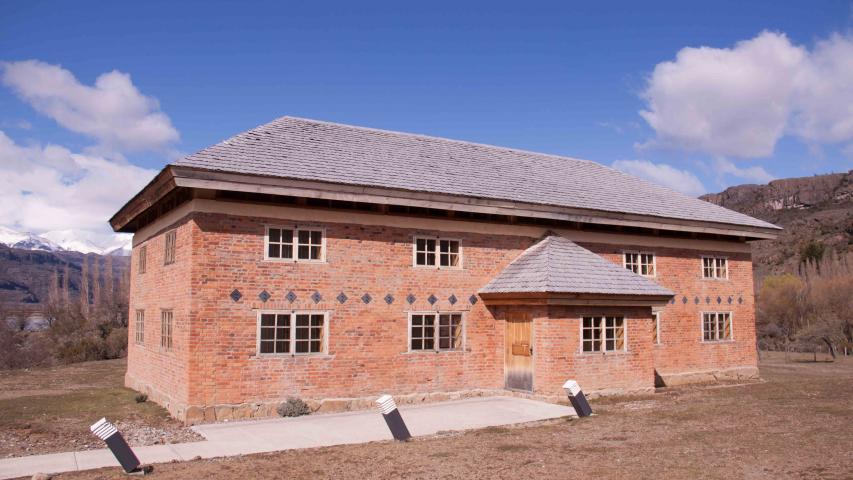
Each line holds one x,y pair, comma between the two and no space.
518,373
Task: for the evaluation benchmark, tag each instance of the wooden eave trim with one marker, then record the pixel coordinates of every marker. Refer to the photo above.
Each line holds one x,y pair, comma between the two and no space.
584,299
214,180
156,189
198,178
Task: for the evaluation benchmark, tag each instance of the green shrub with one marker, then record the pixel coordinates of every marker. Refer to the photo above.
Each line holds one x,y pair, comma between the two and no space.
293,407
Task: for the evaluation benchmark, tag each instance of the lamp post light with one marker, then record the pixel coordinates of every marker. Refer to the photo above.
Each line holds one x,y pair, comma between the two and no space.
108,432
392,417
577,398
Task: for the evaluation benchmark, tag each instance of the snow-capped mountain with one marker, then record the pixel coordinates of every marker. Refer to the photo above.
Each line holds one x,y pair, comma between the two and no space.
66,240
27,241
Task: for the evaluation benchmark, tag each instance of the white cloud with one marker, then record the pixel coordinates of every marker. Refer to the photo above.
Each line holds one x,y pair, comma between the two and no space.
754,174
663,174
112,111
738,102
48,187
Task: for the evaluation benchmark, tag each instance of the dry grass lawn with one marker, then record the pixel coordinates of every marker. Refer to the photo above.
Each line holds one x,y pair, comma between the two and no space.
50,409
797,424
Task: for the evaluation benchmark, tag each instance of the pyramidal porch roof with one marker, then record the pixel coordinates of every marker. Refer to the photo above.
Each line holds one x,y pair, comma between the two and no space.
558,271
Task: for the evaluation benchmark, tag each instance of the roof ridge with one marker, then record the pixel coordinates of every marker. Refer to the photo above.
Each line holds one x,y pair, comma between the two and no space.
428,137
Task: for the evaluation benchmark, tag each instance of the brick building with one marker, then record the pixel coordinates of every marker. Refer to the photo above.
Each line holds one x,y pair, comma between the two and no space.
335,263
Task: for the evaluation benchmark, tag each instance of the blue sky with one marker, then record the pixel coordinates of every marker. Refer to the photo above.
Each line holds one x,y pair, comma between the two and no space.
564,78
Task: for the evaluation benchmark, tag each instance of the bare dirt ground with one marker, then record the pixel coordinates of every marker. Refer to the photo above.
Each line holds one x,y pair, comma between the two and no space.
50,409
797,424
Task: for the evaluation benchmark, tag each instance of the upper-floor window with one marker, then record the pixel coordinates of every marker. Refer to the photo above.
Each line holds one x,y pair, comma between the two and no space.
169,247
716,326
435,331
715,267
640,263
603,334
292,332
140,327
437,252
143,258
295,244
166,318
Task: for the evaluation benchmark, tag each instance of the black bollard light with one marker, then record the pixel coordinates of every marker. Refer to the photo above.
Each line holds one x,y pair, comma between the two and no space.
393,418
108,432
577,398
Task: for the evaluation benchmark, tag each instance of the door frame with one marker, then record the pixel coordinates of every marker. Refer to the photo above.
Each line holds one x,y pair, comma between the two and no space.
507,315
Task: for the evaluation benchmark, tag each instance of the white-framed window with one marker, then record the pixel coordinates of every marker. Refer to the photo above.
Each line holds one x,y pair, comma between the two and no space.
139,326
641,263
292,332
294,244
716,326
166,319
437,252
435,331
656,327
143,258
603,334
715,267
170,242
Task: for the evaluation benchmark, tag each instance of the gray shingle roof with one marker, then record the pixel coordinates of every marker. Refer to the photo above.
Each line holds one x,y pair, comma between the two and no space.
312,150
558,265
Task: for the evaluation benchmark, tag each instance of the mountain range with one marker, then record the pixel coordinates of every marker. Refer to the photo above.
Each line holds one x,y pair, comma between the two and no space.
65,241
815,210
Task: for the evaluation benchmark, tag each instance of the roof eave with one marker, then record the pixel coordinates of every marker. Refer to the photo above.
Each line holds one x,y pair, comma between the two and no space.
575,298
193,177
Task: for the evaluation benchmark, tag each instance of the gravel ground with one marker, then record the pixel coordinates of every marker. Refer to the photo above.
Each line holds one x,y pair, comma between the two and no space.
796,424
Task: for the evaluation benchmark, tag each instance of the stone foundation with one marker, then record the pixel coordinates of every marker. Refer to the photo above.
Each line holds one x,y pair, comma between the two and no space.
710,376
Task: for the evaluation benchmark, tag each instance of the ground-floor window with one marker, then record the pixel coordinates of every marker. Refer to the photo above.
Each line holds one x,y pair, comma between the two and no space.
716,326
292,332
435,331
166,317
140,327
603,334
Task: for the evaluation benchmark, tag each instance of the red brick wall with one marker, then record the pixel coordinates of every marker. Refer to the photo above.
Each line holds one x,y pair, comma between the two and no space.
681,349
160,373
558,357
215,362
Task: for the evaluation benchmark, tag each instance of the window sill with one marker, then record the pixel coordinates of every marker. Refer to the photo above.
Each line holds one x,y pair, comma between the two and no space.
272,356
618,353
285,260
716,342
428,267
430,352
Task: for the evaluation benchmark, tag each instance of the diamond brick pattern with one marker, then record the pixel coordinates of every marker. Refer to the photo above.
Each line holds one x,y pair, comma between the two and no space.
236,295
328,152
410,299
316,297
730,300
389,299
264,296
472,299
342,298
291,297
452,299
366,298
432,299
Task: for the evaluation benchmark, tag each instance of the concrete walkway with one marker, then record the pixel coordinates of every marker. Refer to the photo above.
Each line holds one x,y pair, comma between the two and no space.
257,436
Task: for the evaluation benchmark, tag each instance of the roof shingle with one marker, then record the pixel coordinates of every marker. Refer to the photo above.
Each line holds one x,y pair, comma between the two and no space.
303,149
558,265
